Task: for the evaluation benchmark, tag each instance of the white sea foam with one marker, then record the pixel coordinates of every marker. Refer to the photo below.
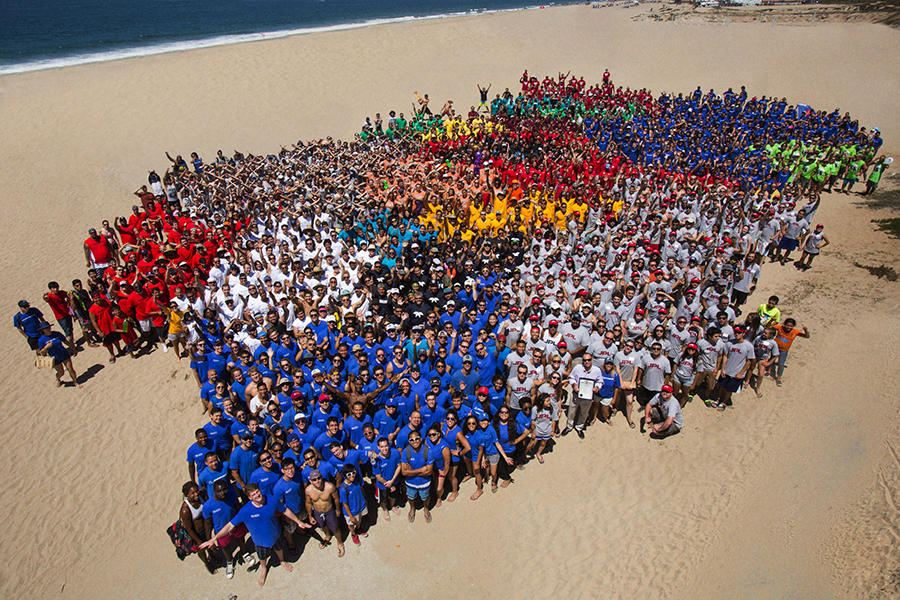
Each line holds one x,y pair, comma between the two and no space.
93,57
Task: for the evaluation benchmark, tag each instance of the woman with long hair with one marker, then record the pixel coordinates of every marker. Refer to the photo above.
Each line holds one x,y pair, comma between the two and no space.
685,377
459,447
508,435
473,435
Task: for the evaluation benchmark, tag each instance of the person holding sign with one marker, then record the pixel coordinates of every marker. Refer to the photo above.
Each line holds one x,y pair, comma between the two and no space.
583,380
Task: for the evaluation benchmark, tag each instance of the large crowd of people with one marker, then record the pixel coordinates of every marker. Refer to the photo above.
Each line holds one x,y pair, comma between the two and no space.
383,322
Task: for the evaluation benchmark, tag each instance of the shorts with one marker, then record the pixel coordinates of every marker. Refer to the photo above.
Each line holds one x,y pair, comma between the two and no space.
684,379
175,336
264,552
110,339
706,379
144,324
606,401
789,244
493,459
730,384
539,438
738,297
358,516
33,342
412,493
235,534
328,519
66,325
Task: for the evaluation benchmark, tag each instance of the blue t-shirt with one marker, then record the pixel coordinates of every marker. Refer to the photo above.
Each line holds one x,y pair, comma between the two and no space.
266,480
386,424
289,493
245,462
324,440
386,467
221,511
29,321
489,437
476,442
352,497
196,453
208,477
220,435
353,427
417,460
325,468
261,521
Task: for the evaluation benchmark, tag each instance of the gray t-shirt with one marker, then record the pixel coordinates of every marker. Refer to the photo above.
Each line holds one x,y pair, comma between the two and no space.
627,363
518,390
669,408
709,354
736,357
655,371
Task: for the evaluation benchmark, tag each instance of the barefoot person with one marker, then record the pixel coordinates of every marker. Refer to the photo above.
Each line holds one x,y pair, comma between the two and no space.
52,343
260,515
323,504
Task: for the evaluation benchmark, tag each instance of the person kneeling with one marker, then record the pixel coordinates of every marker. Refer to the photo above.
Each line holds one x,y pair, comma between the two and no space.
664,412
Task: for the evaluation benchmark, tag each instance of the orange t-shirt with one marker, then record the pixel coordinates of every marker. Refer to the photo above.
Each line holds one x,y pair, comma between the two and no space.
784,339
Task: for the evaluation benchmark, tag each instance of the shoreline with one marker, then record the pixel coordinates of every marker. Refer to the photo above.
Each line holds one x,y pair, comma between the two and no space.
231,39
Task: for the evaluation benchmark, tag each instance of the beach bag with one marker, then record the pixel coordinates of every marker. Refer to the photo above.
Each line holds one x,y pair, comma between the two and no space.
184,545
44,362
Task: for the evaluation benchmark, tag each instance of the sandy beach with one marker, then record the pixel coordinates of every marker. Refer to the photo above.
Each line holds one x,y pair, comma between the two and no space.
792,495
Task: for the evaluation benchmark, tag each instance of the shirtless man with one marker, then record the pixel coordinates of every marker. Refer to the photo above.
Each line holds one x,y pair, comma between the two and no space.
255,379
323,504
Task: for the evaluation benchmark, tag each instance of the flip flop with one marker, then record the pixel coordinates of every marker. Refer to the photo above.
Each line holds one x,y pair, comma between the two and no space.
631,424
540,459
720,406
341,551
428,518
494,489
410,518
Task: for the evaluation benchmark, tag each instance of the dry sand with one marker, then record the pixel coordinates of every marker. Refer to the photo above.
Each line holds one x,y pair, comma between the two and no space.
788,496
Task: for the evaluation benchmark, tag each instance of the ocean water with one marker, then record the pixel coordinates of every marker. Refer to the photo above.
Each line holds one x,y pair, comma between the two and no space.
46,34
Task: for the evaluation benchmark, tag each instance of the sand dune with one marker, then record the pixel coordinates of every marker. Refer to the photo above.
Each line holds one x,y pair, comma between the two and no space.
793,495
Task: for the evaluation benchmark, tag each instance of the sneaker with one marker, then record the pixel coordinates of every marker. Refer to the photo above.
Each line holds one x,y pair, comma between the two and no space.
229,570
580,433
566,431
355,539
165,348
249,560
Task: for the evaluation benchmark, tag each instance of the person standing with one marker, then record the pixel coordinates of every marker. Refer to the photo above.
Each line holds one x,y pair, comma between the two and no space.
59,304
785,335
53,344
416,466
260,516
217,512
582,398
28,321
739,356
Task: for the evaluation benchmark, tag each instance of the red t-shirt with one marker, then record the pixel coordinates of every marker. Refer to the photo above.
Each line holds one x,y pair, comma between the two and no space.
99,249
59,304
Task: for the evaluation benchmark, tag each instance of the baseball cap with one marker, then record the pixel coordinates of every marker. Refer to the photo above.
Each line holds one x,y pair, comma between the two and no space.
467,359
483,390
562,345
667,388
553,323
248,435
316,372
23,303
324,397
435,381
